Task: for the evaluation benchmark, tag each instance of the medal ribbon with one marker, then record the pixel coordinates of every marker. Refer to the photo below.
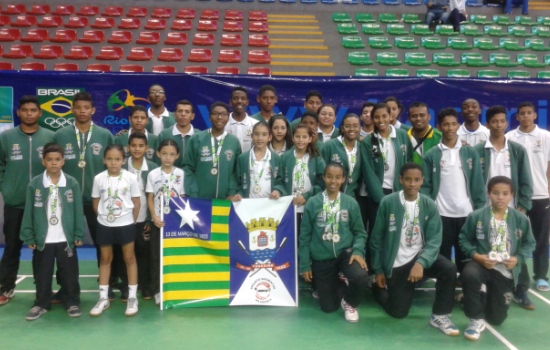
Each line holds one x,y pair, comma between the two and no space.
83,148
332,212
265,161
299,183
216,153
384,146
411,225
110,197
499,244
54,194
353,156
167,189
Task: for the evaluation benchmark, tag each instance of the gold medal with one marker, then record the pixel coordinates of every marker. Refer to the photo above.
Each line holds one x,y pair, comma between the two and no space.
82,164
214,171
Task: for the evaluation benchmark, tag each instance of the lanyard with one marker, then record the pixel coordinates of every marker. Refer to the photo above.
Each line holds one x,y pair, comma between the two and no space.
83,148
216,153
299,183
54,194
167,188
499,243
265,161
412,227
115,195
352,157
332,212
384,146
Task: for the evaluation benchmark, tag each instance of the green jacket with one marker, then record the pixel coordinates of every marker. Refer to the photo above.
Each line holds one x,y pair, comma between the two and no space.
197,164
432,140
150,167
373,167
34,227
520,170
168,122
334,151
475,236
243,174
315,167
335,134
100,139
182,142
258,117
385,237
350,228
470,167
151,142
20,161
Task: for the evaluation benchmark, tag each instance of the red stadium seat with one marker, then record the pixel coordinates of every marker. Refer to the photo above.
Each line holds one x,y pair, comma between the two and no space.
161,12
36,35
258,27
49,52
92,36
131,68
186,13
231,40
257,16
171,54
24,21
120,37
50,22
110,53
4,20
164,69
129,23
79,52
175,38
87,10
155,24
64,36
228,70
204,39
232,26
259,56
33,66
200,55
233,15
258,40
208,26
63,10
259,71
11,34
148,38
210,14
14,9
136,11
182,24
77,22
6,66
229,56
18,51
98,67
103,23
39,10
140,54
113,11
66,67
195,70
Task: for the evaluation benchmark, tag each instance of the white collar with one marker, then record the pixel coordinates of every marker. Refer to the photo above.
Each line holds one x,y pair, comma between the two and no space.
393,132
219,138
175,131
266,158
232,121
76,131
164,114
457,145
479,130
488,144
144,131
330,133
144,166
62,182
535,132
397,124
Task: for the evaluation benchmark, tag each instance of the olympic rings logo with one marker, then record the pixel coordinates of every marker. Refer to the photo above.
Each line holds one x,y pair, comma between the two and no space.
57,123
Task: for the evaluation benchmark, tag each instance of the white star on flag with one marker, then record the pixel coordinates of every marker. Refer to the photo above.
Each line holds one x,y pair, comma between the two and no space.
188,215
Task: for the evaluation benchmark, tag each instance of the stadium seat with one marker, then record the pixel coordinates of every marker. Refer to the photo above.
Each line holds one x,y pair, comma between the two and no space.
416,59
24,21
258,71
50,22
233,15
501,20
77,22
182,24
484,44
411,18
170,54
259,57
87,10
120,37
421,29
494,30
98,67
64,36
258,40
136,11
366,72
387,59
49,52
427,73
473,59
258,27
457,43
371,2
110,53
445,30
66,67
470,30
38,10
387,18
18,51
148,38
207,26
78,52
231,40
140,54
397,72
14,9
210,14
390,2
352,42
525,21
175,38
113,11
155,24
161,12
33,66
363,17
63,10
233,26
432,43
6,66
346,28
501,60
186,14
405,42
487,73
11,34
474,3
204,39
543,20
396,29
518,74
195,70
341,17
92,36
104,23
163,69
4,20
227,70
458,73
412,2
35,36
131,68
480,19
371,29
541,31
445,59
257,16
540,75
379,42
359,58
536,45
511,44
200,55
229,56
530,60
519,31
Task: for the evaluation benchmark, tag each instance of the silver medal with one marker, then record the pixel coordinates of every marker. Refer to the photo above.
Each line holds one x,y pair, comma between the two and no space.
336,238
386,166
493,255
54,220
257,189
350,180
329,236
82,164
505,256
166,210
214,171
325,237
111,218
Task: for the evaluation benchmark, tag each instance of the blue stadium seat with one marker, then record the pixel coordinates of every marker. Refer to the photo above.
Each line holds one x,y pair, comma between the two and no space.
474,3
412,2
391,2
371,2
328,2
308,1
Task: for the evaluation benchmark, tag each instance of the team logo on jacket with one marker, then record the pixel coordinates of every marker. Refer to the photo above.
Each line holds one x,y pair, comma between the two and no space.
37,196
229,155
391,226
479,231
96,149
344,215
205,152
150,153
39,150
15,149
69,196
470,163
404,150
336,158
68,148
519,233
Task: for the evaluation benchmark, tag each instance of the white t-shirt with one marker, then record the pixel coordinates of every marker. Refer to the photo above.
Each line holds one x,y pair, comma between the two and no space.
500,165
55,234
307,185
122,193
155,183
472,138
389,175
537,144
408,247
242,130
452,200
265,179
142,198
158,122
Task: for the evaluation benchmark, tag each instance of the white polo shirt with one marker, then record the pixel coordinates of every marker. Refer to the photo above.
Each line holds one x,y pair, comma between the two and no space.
472,138
155,184
326,137
537,144
389,175
143,200
242,130
158,124
175,131
500,165
265,180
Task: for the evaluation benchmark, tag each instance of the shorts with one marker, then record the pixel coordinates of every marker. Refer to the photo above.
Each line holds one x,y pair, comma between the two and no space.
108,235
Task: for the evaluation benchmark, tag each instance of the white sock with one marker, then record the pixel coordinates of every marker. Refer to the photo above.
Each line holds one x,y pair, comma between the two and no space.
103,291
132,291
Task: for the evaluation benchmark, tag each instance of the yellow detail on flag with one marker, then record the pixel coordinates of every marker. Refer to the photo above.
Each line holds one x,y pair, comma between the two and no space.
194,259
220,211
220,228
194,242
195,277
196,294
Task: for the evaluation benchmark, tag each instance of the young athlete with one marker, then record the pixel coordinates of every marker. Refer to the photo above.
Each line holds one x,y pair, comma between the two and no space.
20,161
267,98
396,108
405,249
332,240
537,144
281,140
452,178
53,225
312,102
499,240
472,131
138,120
311,120
345,150
258,170
240,124
167,181
180,132
423,136
158,114
138,165
211,158
366,118
327,117
116,200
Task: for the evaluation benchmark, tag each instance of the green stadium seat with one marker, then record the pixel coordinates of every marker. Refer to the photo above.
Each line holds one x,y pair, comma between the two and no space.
480,19
366,72
341,17
352,42
541,31
473,59
543,75
501,19
427,73
445,30
520,31
416,59
387,18
458,43
547,59
364,18
379,42
488,74
458,73
494,30
501,60
359,58
484,44
536,44
518,74
445,59
530,60
525,21
371,29
411,18
543,20
396,29
405,42
421,29
470,30
346,28
511,44
432,43
397,72
387,59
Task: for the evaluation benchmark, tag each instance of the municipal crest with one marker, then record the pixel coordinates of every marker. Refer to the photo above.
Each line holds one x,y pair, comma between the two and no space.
96,148
336,158
205,152
15,149
68,148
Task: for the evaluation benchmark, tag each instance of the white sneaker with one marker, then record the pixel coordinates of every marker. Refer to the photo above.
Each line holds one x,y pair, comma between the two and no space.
474,329
102,304
157,299
131,307
444,324
350,312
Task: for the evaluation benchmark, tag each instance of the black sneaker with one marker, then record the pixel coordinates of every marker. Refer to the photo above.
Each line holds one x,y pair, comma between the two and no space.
56,298
111,294
124,294
523,300
74,311
35,313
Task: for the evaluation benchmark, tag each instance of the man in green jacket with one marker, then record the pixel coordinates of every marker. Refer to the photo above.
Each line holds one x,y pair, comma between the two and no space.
405,248
20,161
138,122
159,116
180,132
267,98
423,136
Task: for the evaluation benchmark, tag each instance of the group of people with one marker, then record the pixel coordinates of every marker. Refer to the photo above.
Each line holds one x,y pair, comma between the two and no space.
446,11
379,202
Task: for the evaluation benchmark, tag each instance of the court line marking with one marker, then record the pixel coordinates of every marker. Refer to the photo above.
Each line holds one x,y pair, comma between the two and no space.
20,279
500,337
539,296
